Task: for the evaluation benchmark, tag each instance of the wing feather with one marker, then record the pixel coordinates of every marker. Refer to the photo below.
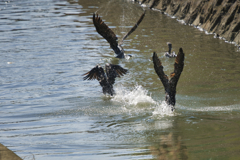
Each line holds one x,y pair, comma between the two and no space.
133,28
159,70
105,31
114,71
178,68
95,73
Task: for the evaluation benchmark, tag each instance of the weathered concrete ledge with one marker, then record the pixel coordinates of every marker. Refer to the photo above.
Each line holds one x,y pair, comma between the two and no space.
6,154
221,17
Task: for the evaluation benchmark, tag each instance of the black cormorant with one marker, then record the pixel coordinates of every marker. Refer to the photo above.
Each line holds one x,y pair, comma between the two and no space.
110,36
170,85
169,53
106,80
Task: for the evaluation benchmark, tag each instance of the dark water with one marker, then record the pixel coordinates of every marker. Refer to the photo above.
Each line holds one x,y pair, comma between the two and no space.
48,111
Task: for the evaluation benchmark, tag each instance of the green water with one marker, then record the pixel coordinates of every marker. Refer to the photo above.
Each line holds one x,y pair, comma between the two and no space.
48,111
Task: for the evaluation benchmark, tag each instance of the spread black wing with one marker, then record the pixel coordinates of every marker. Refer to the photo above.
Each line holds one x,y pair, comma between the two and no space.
178,68
159,70
133,28
105,32
114,71
95,73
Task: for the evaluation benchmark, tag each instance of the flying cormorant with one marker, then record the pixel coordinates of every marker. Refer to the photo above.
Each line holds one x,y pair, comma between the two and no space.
110,36
170,85
106,80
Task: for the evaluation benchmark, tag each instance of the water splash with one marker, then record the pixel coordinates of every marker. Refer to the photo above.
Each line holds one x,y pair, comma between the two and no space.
139,96
162,109
134,97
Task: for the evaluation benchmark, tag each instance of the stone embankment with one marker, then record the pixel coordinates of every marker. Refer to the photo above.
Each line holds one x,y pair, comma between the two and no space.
221,17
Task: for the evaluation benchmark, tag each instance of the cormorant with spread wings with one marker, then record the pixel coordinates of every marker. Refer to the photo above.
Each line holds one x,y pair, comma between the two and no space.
106,80
170,85
110,36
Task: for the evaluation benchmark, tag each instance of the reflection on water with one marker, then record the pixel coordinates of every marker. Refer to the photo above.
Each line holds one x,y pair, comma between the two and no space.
169,149
48,111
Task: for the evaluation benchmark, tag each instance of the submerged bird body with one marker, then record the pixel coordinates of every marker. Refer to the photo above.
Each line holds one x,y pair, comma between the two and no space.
110,36
169,53
107,79
170,85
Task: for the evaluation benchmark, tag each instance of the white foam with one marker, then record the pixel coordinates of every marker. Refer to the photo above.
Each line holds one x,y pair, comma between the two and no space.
200,28
211,108
218,108
181,21
134,97
143,5
230,42
162,109
156,9
207,33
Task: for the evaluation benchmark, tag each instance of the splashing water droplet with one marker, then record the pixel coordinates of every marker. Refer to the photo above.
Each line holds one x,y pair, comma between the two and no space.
134,97
162,109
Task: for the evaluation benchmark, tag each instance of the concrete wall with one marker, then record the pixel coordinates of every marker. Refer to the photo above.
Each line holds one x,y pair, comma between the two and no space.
216,16
6,154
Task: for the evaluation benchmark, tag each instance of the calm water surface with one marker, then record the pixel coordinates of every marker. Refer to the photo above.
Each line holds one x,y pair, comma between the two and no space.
49,112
